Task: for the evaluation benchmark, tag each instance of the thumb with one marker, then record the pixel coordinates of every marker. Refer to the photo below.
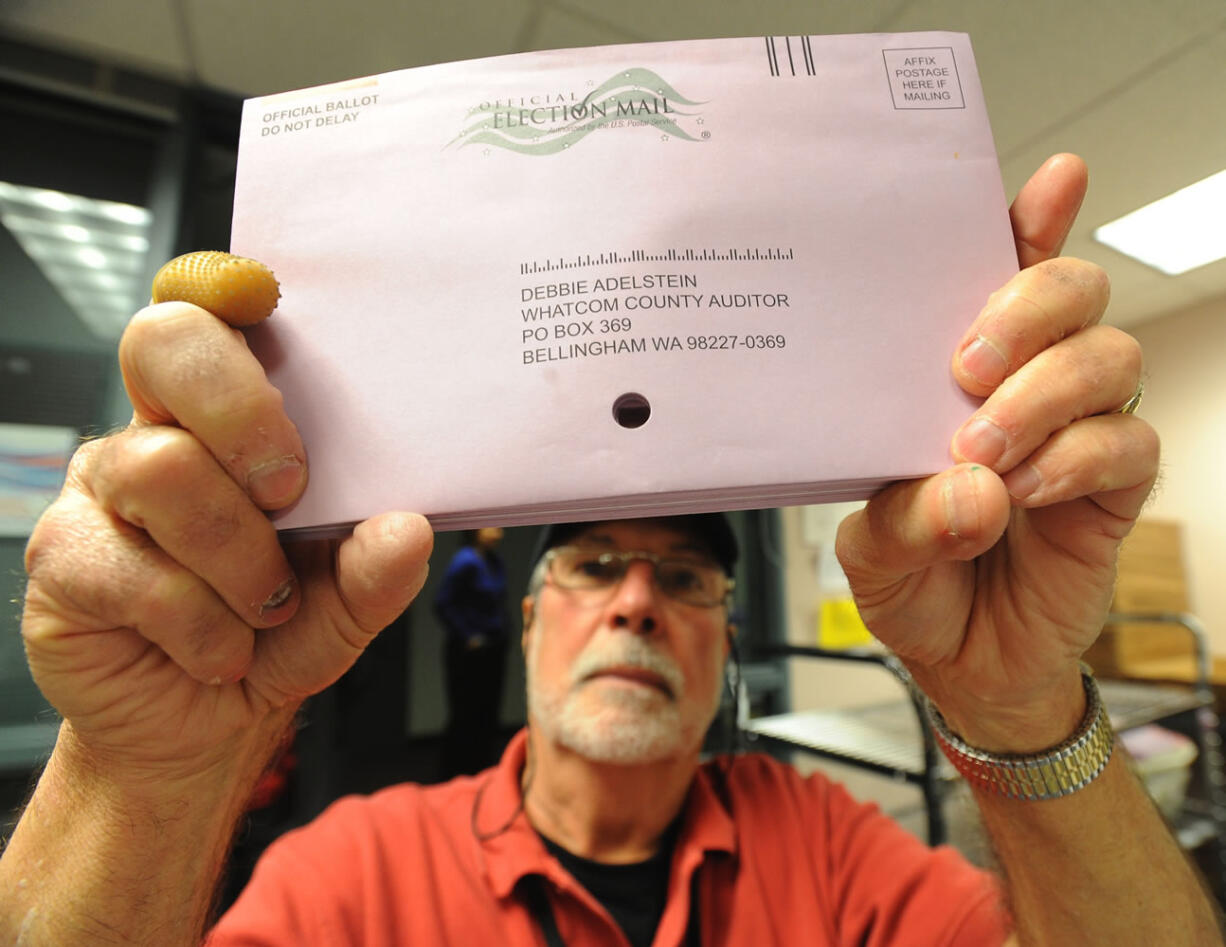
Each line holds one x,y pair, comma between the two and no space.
382,566
349,596
955,515
1046,207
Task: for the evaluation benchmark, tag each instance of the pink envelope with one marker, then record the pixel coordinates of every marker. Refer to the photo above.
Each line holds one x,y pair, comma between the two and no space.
627,280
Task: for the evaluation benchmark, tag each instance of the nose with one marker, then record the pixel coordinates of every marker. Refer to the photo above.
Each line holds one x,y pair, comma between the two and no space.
635,605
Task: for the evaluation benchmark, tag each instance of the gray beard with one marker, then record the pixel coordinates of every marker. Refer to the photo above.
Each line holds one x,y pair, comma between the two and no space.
613,724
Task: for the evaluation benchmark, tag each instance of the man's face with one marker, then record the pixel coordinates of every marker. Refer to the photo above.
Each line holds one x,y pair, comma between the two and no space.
625,675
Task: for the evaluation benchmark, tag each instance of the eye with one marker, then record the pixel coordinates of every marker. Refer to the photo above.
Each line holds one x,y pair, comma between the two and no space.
680,577
598,568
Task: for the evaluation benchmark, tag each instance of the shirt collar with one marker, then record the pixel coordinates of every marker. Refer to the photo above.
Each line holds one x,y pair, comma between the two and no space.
512,848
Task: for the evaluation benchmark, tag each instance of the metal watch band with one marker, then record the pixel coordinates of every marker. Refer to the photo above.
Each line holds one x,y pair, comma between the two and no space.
1060,771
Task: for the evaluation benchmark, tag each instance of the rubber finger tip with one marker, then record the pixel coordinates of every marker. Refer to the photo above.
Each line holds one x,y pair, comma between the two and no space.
238,290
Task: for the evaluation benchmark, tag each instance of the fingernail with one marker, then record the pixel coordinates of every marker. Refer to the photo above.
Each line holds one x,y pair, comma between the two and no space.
962,516
980,441
984,363
275,482
1022,481
278,598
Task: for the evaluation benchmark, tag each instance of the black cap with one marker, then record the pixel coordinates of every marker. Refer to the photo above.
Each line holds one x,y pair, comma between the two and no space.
711,529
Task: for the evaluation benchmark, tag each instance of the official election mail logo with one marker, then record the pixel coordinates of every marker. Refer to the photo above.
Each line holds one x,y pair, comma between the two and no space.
547,123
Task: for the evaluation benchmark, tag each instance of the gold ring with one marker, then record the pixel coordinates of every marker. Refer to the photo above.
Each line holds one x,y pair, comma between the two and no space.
1130,406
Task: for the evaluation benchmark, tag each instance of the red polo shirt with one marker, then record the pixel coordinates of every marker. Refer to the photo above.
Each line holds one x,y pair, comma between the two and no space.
772,858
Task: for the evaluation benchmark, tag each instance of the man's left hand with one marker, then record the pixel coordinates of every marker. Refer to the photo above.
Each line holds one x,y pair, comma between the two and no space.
990,580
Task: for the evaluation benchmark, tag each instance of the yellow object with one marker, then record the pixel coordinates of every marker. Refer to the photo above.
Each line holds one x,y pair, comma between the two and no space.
839,625
237,290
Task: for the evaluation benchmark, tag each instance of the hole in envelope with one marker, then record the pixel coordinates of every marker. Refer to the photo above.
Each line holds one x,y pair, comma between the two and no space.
631,410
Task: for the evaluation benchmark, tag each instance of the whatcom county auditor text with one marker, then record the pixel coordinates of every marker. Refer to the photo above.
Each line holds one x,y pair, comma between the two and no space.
621,315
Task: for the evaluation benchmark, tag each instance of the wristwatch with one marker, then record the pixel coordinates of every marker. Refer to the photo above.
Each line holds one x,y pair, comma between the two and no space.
1060,771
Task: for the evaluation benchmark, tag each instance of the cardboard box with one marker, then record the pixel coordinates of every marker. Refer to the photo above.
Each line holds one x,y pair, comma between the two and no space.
1151,579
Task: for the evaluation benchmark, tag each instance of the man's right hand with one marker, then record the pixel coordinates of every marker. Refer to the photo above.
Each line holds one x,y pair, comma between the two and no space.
162,618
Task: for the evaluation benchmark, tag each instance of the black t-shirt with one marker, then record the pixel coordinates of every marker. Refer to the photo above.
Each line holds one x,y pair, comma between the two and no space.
633,894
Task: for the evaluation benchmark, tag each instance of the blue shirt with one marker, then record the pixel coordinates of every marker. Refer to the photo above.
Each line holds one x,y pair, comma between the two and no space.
471,599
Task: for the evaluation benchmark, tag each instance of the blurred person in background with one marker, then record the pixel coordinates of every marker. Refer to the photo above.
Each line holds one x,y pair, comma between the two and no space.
471,604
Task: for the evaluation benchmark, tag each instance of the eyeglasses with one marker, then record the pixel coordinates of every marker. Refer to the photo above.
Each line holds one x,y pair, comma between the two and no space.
691,581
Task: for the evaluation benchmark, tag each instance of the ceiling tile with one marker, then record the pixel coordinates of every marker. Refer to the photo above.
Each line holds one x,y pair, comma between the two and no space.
1045,60
654,20
1209,280
1147,140
143,34
261,48
564,29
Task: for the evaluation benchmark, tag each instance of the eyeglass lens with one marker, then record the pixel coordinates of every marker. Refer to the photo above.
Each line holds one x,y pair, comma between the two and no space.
685,580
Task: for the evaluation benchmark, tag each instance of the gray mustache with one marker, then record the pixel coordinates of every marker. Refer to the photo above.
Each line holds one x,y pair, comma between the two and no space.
625,653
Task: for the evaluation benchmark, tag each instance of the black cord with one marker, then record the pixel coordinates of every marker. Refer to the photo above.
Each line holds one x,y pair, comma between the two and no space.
733,680
472,817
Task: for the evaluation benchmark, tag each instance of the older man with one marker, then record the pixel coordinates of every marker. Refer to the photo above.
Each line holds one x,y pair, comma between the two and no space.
600,822
177,638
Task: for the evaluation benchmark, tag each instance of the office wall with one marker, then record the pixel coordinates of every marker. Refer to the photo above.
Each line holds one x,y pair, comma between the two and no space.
1185,400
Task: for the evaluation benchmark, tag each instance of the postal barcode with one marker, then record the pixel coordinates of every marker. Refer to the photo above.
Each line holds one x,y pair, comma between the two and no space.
688,255
790,56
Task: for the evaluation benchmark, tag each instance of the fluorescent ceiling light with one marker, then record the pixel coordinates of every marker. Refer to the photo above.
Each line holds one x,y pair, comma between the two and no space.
92,256
91,251
54,200
125,213
1177,233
